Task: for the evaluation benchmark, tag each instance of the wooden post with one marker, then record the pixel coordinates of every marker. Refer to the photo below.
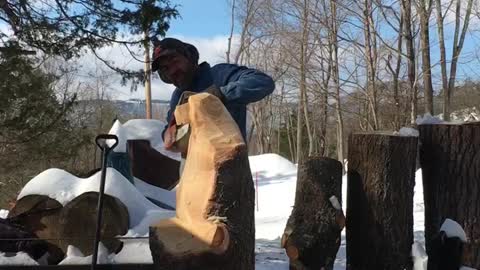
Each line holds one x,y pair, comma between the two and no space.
450,160
148,90
313,232
381,177
214,224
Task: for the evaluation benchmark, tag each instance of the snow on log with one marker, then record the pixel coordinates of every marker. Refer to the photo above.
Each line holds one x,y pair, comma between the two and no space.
312,234
450,160
214,223
381,177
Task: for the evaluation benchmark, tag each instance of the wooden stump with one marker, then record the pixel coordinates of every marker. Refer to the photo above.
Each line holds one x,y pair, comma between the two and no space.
450,159
214,223
313,232
381,177
73,224
40,215
151,166
79,218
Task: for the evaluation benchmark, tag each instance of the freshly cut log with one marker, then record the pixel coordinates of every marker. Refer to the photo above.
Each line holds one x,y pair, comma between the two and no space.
214,223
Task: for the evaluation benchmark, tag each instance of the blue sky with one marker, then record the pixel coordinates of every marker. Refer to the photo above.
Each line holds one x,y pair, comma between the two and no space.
201,18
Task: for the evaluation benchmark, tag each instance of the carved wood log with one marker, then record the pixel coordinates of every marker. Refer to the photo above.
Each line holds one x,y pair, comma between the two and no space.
214,223
450,160
152,166
381,178
313,232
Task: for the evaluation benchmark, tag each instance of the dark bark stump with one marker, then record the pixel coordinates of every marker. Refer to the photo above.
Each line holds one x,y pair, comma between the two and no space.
77,223
450,159
214,224
151,166
313,232
381,177
40,215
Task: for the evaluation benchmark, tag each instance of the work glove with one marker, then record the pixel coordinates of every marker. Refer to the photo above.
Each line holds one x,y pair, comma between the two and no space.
176,137
214,90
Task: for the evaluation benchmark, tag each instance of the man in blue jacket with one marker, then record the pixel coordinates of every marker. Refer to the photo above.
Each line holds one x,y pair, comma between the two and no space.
236,86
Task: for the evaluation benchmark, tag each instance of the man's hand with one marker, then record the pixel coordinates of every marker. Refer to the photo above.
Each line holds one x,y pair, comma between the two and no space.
169,138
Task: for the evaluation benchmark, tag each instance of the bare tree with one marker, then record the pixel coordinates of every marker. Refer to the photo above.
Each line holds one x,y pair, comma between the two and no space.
424,10
448,84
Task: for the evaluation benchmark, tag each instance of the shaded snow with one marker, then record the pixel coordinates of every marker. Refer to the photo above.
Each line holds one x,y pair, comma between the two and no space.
167,197
20,258
428,119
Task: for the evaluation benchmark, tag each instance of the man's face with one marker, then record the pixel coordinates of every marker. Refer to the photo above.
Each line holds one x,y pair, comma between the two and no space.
177,69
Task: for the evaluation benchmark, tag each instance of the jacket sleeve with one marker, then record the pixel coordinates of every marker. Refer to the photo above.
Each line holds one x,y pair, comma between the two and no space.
245,85
173,105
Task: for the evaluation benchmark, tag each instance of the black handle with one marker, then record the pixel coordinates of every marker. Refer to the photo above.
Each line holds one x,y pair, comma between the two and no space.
101,141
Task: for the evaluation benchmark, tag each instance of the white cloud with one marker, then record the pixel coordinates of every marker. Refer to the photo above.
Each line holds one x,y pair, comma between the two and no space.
211,49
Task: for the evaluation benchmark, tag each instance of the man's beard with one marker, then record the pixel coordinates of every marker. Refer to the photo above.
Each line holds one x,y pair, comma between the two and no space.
187,80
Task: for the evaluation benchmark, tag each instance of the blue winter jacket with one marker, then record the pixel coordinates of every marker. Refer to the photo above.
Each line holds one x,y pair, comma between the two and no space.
239,85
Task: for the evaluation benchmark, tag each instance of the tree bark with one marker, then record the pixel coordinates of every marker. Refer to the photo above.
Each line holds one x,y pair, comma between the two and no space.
381,177
149,165
424,10
214,223
312,235
406,6
449,156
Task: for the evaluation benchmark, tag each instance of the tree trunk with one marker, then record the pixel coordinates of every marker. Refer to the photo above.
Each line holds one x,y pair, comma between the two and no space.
214,223
381,177
449,156
406,6
312,235
424,11
336,79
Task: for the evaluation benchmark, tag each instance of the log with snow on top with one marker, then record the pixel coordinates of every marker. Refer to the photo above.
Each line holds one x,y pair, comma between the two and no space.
61,207
449,156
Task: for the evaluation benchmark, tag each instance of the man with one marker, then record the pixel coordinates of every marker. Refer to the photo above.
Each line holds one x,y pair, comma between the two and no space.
236,86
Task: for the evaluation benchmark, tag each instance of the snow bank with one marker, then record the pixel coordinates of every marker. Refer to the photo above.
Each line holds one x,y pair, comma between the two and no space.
141,129
408,132
276,180
63,187
3,213
428,119
419,257
20,258
74,256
